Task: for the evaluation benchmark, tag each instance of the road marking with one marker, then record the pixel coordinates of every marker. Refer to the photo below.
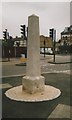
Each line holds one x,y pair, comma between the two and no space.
51,64
7,76
61,111
43,72
55,71
6,85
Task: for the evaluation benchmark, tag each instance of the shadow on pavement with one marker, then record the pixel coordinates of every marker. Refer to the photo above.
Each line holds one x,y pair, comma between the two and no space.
60,62
21,64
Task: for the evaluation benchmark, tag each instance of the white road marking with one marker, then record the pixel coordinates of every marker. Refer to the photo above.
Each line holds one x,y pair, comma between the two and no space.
61,111
55,71
51,71
6,85
7,76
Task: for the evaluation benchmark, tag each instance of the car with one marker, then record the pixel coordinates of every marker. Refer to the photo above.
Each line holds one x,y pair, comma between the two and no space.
47,51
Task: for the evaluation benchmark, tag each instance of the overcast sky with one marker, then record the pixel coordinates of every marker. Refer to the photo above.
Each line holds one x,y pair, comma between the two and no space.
51,14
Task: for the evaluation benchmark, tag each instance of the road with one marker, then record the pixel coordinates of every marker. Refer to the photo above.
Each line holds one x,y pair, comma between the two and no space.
15,67
17,109
57,75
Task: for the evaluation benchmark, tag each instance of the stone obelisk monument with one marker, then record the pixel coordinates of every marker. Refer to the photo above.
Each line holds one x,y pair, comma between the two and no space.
33,81
33,86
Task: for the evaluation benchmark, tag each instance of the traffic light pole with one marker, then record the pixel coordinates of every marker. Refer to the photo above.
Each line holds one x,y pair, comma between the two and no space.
44,48
54,51
52,35
54,38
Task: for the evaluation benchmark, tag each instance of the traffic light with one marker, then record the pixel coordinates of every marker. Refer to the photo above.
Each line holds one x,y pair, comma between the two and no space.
23,32
51,33
5,34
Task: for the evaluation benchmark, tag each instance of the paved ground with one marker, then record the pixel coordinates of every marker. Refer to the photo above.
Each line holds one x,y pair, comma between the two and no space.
57,75
16,68
14,109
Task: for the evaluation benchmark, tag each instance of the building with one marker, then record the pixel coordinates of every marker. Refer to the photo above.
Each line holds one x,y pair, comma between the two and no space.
66,35
64,45
22,43
46,41
46,45
20,46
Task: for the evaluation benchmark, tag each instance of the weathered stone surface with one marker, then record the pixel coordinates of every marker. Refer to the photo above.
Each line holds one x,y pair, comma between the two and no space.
17,94
33,47
33,81
33,84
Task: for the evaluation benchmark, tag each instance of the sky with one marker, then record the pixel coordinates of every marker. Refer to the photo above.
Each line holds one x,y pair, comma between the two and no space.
51,15
71,12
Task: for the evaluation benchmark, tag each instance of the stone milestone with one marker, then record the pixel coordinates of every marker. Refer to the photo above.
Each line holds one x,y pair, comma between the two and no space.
33,81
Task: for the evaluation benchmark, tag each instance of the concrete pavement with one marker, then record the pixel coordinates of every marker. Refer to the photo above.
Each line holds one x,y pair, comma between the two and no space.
14,109
61,80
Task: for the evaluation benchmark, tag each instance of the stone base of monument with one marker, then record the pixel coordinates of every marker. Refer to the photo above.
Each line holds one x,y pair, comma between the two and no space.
33,84
49,93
